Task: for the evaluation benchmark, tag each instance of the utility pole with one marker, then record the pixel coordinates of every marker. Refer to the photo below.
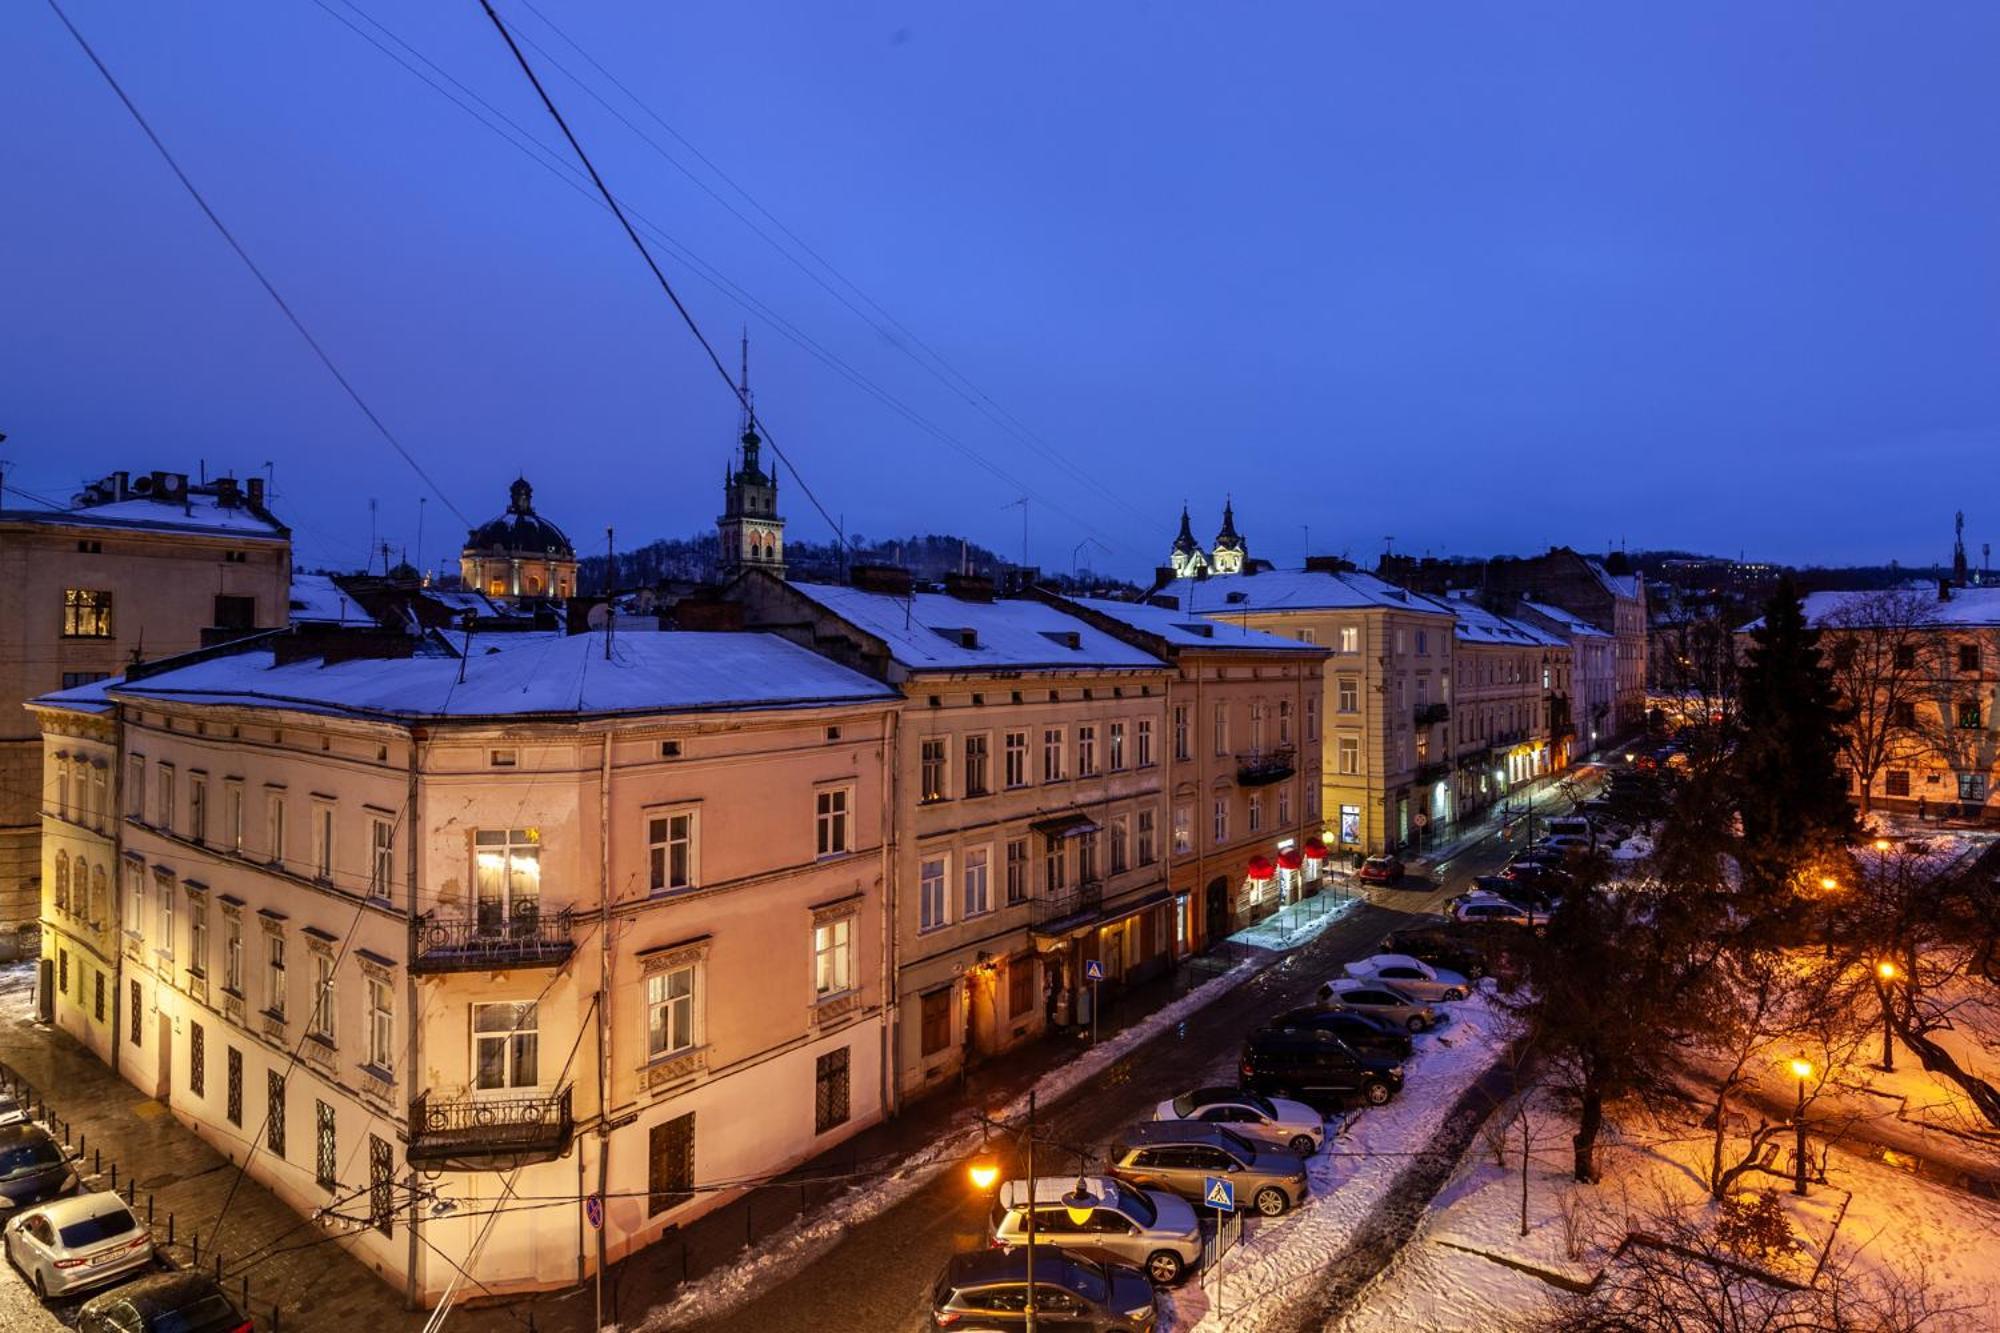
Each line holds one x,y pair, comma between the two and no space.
1023,504
1031,1203
610,591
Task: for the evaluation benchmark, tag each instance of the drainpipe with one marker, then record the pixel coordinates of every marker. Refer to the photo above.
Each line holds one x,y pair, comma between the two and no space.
412,1288
892,1010
603,1000
118,877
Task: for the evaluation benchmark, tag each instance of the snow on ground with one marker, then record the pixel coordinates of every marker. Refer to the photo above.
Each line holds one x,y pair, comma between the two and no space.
1289,927
1449,1279
813,1234
1281,1258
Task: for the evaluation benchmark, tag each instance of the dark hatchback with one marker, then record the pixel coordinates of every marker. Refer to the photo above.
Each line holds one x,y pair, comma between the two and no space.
1439,948
33,1166
164,1303
1360,1032
1314,1065
986,1291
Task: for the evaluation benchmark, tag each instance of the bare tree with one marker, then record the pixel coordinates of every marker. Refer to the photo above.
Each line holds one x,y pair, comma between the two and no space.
1887,656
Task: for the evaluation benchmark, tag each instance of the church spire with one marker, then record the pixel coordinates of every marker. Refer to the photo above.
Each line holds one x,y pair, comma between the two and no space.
1186,556
1229,548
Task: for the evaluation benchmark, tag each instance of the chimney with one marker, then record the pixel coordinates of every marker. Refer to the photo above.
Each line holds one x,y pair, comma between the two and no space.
256,492
121,485
1327,564
1944,590
226,495
969,587
891,579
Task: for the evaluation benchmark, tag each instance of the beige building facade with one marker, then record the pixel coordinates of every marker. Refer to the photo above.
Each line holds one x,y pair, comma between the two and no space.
1510,724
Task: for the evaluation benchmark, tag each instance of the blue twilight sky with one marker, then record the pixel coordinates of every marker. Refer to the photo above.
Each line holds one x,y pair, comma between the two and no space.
1482,278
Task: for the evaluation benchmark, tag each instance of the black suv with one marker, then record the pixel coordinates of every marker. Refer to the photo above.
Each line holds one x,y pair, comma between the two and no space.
1360,1032
164,1303
33,1166
987,1290
1312,1063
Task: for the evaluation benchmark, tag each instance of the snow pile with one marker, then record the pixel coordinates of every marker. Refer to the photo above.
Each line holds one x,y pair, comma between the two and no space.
1291,926
1635,848
806,1238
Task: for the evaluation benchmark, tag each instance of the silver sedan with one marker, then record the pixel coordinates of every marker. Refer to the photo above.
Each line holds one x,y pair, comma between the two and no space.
1412,976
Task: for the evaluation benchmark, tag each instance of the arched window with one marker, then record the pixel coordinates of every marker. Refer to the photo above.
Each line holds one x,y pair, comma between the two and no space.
62,881
100,897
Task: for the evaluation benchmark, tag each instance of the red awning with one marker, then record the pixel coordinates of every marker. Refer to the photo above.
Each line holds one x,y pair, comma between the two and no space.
1290,860
1315,850
1260,868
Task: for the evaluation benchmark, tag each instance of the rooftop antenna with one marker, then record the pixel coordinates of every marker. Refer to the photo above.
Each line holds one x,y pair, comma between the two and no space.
610,591
743,383
1023,503
1305,544
421,500
371,536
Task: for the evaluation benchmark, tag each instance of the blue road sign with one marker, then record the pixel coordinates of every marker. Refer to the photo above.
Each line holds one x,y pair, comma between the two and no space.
593,1208
1093,970
1219,1193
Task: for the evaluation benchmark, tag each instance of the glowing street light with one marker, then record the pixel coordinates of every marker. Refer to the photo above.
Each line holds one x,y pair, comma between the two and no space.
985,1172
1801,1070
1829,883
1881,844
1885,973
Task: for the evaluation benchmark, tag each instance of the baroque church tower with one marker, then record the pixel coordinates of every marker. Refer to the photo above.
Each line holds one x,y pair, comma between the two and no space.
1230,552
753,536
1186,556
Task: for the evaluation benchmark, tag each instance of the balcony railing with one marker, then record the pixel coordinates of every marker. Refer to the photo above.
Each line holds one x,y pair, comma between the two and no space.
1429,715
1071,906
488,1133
1260,768
490,941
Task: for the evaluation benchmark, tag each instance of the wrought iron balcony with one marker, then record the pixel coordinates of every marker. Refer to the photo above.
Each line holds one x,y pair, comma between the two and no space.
1261,768
1073,906
1429,715
490,941
488,1133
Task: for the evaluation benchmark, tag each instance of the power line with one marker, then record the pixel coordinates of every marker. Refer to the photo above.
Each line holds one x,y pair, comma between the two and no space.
251,264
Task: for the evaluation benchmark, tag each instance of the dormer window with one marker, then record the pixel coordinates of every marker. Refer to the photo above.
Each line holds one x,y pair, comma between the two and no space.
1067,638
965,638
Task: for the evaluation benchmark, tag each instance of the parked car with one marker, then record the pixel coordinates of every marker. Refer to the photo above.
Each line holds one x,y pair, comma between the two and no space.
1571,826
12,1112
33,1166
1571,848
1535,875
1437,948
1412,976
1303,1062
164,1303
1362,1033
987,1290
1180,1156
1486,909
1380,870
1539,853
1536,891
71,1244
1380,999
1274,1120
1156,1231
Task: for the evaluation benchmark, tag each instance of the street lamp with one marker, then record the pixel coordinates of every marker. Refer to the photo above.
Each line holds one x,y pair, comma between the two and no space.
1881,844
1885,973
985,1171
1801,1070
1079,1203
1829,883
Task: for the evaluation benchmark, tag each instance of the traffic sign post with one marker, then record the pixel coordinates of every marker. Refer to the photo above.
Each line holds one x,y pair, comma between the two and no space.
593,1208
1219,1193
1093,972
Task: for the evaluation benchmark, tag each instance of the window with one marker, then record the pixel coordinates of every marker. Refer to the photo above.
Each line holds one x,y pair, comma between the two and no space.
670,851
197,807
1284,721
832,820
833,957
975,766
321,1025
1144,851
1968,657
1350,638
1219,728
1117,745
1968,714
506,1040
232,815
137,1018
237,613
232,955
325,1155
1016,759
235,1107
1120,827
1017,871
135,887
99,897
62,881
72,679
274,1114
1347,753
1183,742
197,935
164,923
1972,787
974,871
1347,695
1897,782
1423,643
1257,726
1350,823
830,1091
1306,636
1086,857
936,1009
62,970
381,1024
670,1011
1903,714
1183,829
1221,832
1284,806
381,1186
1020,985
86,613
135,788
931,775
1256,811
100,795
930,893
1906,656
381,858
100,996
165,814
1052,754
669,1164
1145,739
508,871
503,758
274,974
276,804
323,842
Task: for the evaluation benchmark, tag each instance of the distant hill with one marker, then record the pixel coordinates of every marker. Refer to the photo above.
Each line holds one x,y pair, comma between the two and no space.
694,559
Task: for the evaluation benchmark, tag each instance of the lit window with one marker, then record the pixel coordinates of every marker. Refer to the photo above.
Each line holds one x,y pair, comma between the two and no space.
931,904
381,1024
86,613
506,1045
832,818
508,865
322,1012
670,1011
973,872
833,957
670,850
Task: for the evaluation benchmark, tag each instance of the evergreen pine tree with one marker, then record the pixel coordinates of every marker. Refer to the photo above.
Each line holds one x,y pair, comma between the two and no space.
1791,791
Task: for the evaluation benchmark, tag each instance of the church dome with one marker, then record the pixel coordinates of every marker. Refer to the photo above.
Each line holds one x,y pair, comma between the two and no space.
520,531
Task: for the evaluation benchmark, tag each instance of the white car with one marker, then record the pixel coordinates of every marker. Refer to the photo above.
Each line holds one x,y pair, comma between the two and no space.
75,1243
1288,1124
1489,909
1571,846
11,1111
1410,975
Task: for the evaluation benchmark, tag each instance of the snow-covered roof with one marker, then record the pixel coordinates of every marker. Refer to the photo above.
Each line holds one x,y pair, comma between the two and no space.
930,631
529,674
1184,631
1293,590
1574,625
196,512
1476,624
1971,608
1618,585
316,599
89,698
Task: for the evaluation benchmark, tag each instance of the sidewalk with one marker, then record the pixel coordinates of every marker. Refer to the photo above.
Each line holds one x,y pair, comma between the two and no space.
291,1262
1542,793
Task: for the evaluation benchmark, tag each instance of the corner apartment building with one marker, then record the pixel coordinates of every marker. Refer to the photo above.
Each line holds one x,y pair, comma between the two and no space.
79,875
1030,803
1511,724
420,937
1386,692
1593,691
1243,764
137,567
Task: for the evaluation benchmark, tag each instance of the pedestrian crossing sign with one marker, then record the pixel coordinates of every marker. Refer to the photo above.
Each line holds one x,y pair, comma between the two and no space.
1093,970
1219,1194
